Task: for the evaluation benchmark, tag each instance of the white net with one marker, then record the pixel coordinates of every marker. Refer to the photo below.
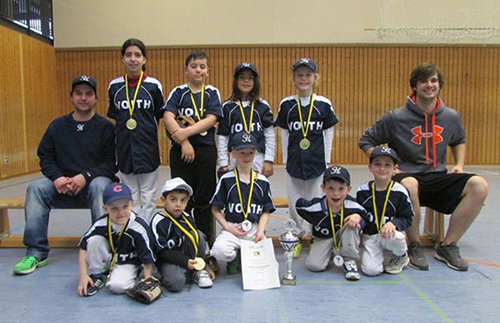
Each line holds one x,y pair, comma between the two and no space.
439,21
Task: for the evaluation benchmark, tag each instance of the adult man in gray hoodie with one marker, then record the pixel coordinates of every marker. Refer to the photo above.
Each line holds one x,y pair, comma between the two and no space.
420,133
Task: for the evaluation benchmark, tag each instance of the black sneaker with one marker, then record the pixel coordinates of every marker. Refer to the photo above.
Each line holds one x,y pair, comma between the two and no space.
451,256
417,258
99,282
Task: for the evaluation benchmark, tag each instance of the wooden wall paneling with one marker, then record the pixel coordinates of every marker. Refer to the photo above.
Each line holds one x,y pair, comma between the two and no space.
468,101
40,80
495,98
363,83
27,100
12,139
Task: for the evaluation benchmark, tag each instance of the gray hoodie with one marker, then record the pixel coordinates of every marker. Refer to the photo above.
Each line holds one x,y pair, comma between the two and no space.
420,149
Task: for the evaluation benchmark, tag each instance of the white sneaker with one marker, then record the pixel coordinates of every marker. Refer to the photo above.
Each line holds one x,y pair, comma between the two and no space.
351,270
202,278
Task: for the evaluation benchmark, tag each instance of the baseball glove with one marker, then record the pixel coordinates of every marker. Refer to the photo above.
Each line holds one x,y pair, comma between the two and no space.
146,291
185,121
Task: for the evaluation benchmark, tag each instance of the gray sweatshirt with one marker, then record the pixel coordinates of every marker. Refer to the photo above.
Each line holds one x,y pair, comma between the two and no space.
420,149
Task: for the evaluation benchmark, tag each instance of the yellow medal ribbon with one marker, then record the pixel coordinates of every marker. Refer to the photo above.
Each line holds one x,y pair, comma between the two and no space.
332,222
111,244
380,222
248,126
131,107
199,114
306,130
194,239
240,195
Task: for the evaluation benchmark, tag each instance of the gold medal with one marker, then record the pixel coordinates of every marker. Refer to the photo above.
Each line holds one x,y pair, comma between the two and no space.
304,144
203,133
131,124
199,264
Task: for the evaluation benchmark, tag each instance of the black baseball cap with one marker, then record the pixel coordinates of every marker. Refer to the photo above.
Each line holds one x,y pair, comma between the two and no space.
384,151
116,191
239,68
305,62
84,79
338,172
243,140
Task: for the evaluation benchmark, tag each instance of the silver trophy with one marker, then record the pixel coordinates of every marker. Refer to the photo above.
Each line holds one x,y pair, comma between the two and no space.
288,241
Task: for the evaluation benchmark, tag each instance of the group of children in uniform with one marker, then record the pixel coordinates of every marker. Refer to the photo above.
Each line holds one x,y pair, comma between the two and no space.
130,236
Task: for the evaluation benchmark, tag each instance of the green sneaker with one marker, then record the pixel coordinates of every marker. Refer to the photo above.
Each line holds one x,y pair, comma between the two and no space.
234,267
28,264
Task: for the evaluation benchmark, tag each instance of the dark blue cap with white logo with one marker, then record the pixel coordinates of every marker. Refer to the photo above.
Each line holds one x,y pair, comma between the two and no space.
384,151
243,140
243,66
305,62
338,172
84,79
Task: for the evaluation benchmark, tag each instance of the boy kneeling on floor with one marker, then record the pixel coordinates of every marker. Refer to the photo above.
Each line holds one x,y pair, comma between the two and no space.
118,243
180,246
336,220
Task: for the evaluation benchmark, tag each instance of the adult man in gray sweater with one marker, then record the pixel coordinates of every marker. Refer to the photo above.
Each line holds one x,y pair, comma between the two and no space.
420,133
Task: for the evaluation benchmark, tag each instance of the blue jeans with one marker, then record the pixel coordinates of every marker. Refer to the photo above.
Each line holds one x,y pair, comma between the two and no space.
41,196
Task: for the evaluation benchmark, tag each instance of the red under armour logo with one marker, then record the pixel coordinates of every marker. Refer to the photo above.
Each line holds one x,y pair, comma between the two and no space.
417,131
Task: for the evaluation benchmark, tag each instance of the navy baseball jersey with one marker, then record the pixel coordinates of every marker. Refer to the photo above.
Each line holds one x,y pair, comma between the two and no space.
232,121
399,209
226,198
316,213
137,150
70,147
134,246
309,163
180,104
167,235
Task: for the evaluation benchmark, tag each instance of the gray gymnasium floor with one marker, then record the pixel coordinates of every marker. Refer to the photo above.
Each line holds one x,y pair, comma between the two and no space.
440,294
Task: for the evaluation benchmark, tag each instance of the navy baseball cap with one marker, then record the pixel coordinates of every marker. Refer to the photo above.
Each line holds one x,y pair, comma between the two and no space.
84,79
338,172
305,62
243,140
116,191
239,68
176,184
384,151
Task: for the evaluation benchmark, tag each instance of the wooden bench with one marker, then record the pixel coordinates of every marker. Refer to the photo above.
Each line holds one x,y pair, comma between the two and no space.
433,228
433,225
9,241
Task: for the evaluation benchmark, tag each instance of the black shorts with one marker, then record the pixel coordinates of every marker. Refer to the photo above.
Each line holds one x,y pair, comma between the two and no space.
440,191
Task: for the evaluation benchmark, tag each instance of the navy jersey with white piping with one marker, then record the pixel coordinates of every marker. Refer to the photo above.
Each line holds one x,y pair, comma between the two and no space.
137,150
316,213
399,209
411,132
232,121
226,198
180,104
167,235
134,247
310,163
